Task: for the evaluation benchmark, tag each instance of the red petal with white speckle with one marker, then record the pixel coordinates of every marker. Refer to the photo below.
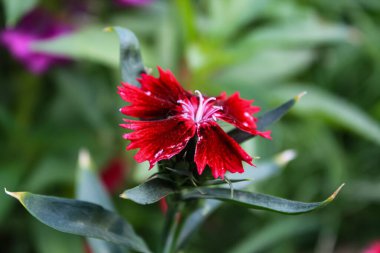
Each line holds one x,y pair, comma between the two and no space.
218,150
159,139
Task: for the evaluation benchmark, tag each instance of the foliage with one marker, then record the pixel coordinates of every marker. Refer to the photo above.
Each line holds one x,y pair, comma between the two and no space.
268,50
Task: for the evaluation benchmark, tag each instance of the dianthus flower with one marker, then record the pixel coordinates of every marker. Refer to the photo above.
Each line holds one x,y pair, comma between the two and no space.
170,116
37,25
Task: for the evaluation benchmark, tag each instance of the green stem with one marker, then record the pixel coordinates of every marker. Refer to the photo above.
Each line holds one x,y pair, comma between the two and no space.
172,224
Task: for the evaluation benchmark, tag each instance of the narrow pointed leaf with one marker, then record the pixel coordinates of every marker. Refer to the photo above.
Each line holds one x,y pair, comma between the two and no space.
81,218
263,171
258,200
266,120
90,188
130,58
149,192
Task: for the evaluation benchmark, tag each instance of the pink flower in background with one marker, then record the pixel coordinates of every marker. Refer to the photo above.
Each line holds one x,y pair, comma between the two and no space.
373,248
37,25
133,2
172,116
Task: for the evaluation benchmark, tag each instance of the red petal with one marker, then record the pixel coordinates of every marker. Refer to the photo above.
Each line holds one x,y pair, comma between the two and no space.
158,140
156,98
238,111
144,104
218,150
166,87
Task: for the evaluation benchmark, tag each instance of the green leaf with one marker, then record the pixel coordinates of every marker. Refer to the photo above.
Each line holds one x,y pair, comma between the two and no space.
89,43
130,57
81,218
265,66
308,31
48,240
149,192
277,231
91,189
263,171
258,200
319,103
264,121
15,9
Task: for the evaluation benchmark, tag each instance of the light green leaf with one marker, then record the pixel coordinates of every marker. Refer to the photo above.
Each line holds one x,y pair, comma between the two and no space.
149,192
89,43
15,9
81,218
266,66
275,232
319,103
257,200
302,32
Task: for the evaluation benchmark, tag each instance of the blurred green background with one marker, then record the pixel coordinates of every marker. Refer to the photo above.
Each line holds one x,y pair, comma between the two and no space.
269,50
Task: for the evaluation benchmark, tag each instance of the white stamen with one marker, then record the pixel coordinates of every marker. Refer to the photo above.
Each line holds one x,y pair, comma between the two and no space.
246,114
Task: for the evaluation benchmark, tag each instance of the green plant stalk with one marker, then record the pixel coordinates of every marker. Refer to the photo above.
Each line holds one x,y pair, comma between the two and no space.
172,226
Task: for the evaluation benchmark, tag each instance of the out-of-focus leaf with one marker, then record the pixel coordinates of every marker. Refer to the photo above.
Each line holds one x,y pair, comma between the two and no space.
304,32
264,121
263,171
275,232
257,200
149,192
89,43
48,240
15,9
51,171
81,218
130,58
324,105
90,188
266,66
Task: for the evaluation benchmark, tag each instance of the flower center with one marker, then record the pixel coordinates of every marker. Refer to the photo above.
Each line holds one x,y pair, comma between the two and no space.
205,109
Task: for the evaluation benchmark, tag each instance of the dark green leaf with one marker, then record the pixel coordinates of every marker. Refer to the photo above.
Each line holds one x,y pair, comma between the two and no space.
258,200
91,189
81,218
262,172
130,57
195,220
149,192
15,9
264,121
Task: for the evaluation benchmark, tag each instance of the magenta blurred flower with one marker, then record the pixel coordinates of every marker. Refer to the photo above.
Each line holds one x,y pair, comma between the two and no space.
37,25
133,2
373,248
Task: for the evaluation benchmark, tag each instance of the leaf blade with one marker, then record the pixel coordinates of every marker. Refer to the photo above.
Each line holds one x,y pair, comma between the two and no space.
80,218
149,192
259,200
130,58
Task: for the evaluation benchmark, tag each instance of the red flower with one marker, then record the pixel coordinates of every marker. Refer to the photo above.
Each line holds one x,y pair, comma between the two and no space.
171,116
373,248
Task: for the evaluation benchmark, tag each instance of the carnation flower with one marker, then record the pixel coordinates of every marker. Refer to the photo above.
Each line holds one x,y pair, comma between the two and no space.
169,117
37,25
